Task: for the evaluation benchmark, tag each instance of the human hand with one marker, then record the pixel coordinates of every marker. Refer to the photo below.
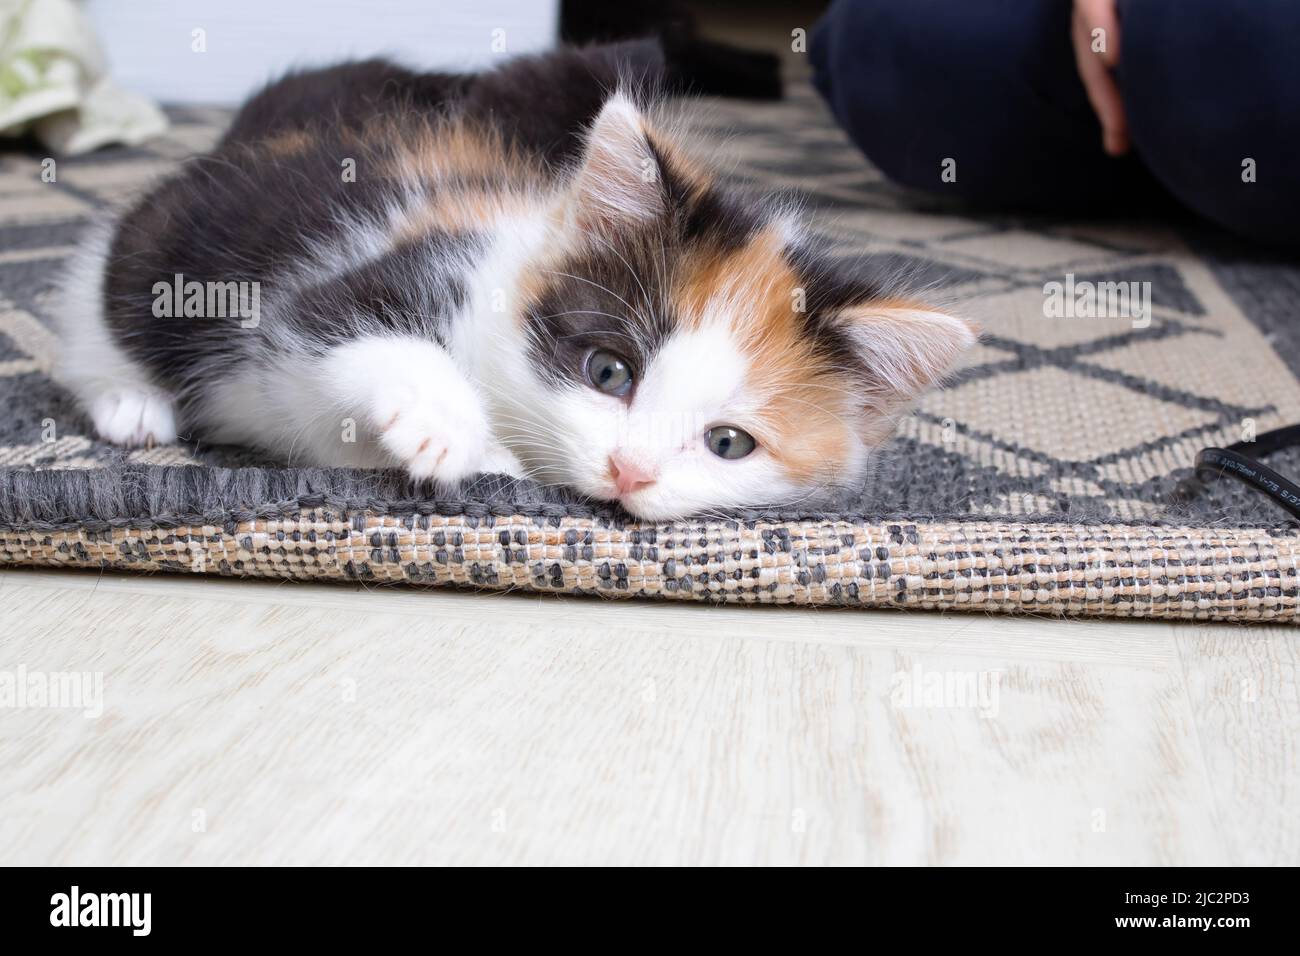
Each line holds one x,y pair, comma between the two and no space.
1096,54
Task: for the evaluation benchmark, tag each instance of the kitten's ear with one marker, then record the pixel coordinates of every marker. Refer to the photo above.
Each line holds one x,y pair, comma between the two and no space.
620,180
907,347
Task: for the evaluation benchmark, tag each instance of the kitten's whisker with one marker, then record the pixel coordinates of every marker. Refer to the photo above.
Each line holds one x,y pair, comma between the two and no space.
631,308
635,277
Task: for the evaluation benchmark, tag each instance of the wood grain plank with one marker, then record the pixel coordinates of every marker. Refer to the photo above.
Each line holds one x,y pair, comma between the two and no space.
1243,687
278,723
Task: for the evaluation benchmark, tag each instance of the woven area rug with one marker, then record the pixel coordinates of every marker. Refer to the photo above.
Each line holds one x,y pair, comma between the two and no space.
1039,481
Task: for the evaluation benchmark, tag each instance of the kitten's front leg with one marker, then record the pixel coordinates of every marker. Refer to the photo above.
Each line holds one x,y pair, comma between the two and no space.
417,405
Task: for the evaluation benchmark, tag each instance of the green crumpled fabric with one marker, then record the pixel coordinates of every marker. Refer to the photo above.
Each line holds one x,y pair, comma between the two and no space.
54,82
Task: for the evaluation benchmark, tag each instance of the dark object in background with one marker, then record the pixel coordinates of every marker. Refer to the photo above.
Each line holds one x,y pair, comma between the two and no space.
1211,90
696,65
1233,462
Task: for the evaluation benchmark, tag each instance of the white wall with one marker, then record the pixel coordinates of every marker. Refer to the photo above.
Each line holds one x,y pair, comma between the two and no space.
151,43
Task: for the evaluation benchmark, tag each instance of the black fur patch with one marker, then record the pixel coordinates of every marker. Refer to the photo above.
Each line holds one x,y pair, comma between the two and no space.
609,300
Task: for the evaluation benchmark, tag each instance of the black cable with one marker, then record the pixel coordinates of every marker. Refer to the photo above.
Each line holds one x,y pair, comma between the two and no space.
1233,463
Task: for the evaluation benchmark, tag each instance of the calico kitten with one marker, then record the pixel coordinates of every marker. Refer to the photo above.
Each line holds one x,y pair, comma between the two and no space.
523,273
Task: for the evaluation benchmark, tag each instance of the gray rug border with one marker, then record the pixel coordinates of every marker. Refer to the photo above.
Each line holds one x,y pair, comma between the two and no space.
164,496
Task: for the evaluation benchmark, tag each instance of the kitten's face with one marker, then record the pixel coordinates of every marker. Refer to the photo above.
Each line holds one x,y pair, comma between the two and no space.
696,355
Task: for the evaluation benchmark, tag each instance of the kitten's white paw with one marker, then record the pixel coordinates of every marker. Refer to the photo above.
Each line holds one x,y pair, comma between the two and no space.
134,418
417,405
500,460
436,434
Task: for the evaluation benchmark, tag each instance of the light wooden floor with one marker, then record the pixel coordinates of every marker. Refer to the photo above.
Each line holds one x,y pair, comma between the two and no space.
250,722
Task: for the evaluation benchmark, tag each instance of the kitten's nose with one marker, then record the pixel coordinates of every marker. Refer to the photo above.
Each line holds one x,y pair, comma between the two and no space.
630,475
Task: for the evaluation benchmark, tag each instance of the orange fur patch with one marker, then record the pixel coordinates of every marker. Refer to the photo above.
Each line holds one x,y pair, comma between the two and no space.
472,176
807,421
291,143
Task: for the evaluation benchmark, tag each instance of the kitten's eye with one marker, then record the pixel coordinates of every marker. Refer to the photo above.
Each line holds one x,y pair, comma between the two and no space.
727,442
609,372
